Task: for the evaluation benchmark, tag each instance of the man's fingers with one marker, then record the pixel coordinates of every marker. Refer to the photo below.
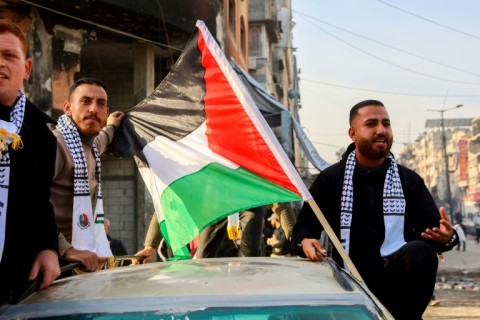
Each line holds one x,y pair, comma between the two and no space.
89,260
443,214
34,272
312,249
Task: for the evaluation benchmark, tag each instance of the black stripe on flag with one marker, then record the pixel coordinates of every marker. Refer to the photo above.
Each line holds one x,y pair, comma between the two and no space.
173,110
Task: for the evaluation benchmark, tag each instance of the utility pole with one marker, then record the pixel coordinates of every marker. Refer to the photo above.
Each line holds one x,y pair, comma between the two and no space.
445,156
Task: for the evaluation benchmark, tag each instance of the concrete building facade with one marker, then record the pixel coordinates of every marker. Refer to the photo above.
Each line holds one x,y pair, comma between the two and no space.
272,62
130,46
472,193
462,145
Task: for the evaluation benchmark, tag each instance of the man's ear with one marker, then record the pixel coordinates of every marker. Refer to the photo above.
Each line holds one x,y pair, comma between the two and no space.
351,133
28,69
67,108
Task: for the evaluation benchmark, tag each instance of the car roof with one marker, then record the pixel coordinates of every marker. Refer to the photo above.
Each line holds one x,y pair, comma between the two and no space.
198,283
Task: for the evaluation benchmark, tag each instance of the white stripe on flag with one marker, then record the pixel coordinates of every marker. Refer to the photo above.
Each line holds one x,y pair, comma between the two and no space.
171,160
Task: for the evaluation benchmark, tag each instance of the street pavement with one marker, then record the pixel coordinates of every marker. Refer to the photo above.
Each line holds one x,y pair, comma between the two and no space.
458,285
460,261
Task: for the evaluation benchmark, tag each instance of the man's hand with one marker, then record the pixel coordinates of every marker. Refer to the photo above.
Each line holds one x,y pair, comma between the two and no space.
313,249
46,262
272,241
115,118
148,253
442,234
89,260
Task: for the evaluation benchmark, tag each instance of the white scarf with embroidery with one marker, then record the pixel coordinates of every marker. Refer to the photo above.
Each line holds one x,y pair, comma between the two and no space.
9,135
393,207
88,232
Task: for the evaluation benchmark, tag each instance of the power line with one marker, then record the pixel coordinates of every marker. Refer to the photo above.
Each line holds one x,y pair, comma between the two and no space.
429,20
387,45
101,26
385,92
388,62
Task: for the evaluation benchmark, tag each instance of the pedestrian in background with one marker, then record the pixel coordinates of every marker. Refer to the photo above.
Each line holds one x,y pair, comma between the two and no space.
476,223
117,246
251,226
462,239
278,241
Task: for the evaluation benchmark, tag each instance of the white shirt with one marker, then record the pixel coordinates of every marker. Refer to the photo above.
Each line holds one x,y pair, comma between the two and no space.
460,233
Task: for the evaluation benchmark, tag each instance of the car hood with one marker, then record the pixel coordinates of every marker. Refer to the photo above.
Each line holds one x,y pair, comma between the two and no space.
200,283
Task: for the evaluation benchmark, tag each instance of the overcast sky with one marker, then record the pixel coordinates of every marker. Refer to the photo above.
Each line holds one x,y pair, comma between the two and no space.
412,55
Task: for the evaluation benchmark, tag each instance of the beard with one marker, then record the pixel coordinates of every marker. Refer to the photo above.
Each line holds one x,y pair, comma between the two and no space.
368,149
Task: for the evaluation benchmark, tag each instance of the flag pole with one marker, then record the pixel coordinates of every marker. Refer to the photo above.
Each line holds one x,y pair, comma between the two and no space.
333,237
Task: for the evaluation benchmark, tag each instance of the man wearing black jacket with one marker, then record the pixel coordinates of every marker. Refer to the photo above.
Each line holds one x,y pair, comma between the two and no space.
28,235
382,213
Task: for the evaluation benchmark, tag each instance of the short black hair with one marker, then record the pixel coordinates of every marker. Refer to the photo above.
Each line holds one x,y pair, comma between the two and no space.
85,80
361,104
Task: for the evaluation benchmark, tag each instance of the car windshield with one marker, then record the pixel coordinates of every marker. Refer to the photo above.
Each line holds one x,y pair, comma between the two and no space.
350,312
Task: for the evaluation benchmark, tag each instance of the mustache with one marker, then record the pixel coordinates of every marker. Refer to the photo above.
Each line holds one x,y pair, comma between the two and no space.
92,117
380,135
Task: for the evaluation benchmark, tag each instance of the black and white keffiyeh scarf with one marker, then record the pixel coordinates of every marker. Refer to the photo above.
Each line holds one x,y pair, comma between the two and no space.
9,132
393,207
88,232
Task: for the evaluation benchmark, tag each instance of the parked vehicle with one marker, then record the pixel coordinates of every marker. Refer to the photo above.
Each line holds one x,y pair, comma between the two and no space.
224,288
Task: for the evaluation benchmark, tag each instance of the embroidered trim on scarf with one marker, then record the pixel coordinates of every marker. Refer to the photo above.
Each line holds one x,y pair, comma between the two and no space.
88,232
11,130
393,207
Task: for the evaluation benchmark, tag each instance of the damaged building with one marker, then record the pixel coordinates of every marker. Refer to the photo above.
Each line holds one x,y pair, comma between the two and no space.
131,46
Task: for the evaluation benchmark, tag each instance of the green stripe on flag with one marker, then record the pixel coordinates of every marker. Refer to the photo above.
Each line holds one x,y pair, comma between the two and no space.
193,202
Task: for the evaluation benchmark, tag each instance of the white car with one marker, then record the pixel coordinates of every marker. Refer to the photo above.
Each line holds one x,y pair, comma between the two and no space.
214,289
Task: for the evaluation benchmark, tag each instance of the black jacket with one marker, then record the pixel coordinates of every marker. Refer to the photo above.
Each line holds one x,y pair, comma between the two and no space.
367,229
30,224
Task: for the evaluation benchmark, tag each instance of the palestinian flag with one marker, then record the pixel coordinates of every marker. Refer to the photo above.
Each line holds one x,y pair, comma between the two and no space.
202,146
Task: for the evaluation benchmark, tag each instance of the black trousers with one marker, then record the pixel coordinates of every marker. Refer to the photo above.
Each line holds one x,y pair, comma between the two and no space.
406,282
212,237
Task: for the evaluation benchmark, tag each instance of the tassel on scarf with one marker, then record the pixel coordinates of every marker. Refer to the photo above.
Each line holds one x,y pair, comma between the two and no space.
7,137
233,227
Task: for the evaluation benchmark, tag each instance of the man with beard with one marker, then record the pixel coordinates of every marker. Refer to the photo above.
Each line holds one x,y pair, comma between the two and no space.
383,214
83,134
